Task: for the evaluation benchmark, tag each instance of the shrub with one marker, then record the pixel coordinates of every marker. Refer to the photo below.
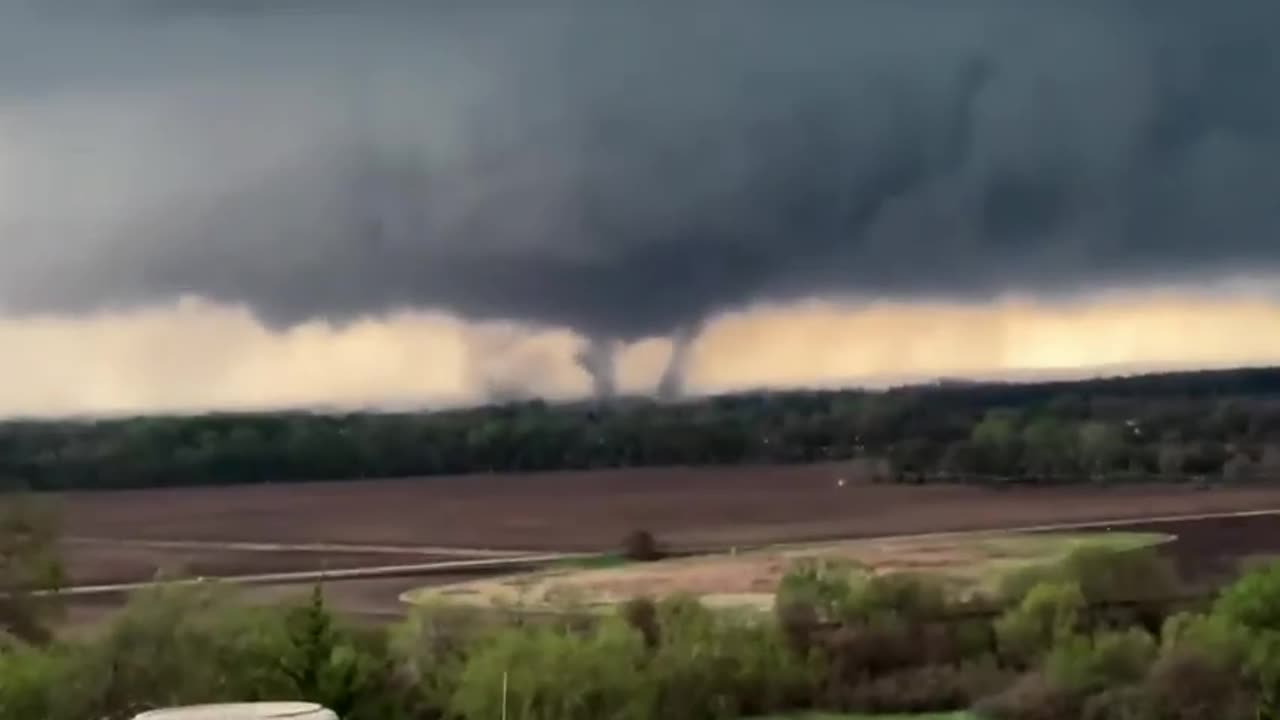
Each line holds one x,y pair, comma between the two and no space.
1048,612
1104,575
641,613
555,675
433,646
903,595
1120,587
641,546
855,652
347,670
928,688
30,559
1189,684
732,666
194,644
1123,703
799,623
1232,647
815,590
1031,697
1254,600
1215,637
29,679
1089,665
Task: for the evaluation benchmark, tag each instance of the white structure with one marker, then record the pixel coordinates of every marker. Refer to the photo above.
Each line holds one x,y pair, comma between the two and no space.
243,711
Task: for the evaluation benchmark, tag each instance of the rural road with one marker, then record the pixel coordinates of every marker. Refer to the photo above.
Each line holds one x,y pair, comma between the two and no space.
256,546
482,559
1056,527
304,576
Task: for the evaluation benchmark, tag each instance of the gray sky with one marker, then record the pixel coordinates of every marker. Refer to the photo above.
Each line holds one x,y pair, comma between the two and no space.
625,168
628,169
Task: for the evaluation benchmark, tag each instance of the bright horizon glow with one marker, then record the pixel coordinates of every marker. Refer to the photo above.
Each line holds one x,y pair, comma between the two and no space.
195,355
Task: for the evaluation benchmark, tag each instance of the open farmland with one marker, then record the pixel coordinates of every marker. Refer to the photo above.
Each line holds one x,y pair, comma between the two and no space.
711,508
593,510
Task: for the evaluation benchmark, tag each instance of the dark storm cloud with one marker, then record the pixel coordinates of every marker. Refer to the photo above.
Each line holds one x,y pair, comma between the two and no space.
630,168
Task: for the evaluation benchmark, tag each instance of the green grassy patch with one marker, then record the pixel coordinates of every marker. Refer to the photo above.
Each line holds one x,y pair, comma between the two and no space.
1005,555
593,562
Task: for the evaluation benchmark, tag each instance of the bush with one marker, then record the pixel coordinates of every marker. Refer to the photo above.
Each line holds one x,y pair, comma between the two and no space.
718,664
347,670
1216,637
928,688
29,679
1189,684
433,647
901,595
1031,697
553,675
1090,665
641,613
194,644
1047,613
1124,703
641,546
1254,600
1233,648
700,664
1105,575
815,590
30,560
1120,587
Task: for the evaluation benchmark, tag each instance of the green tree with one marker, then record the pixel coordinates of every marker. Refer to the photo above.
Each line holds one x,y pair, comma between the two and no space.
1253,601
1050,447
539,672
328,664
30,562
1050,612
1102,446
996,438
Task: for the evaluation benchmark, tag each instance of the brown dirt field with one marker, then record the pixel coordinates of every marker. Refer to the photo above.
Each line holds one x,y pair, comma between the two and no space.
592,510
100,563
1211,551
1207,551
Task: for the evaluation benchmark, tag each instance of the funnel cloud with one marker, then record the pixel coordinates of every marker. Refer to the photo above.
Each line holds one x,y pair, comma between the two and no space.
628,169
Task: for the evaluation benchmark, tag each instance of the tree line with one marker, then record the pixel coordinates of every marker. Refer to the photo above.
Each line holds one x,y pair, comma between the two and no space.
1219,425
838,640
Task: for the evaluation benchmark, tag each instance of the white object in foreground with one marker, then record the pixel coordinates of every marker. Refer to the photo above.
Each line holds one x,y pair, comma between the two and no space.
243,711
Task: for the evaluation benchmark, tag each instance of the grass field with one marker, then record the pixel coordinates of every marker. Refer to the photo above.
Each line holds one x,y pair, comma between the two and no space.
750,579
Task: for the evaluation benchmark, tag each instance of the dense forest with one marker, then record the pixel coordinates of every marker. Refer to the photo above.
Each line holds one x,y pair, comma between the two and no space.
1200,426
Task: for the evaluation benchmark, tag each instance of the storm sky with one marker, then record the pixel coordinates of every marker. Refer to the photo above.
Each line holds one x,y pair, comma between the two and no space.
621,171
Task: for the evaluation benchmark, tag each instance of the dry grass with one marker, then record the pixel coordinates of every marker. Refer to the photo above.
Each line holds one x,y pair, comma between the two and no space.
751,579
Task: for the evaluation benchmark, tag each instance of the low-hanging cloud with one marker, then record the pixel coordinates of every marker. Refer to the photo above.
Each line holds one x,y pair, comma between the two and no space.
194,356
628,169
